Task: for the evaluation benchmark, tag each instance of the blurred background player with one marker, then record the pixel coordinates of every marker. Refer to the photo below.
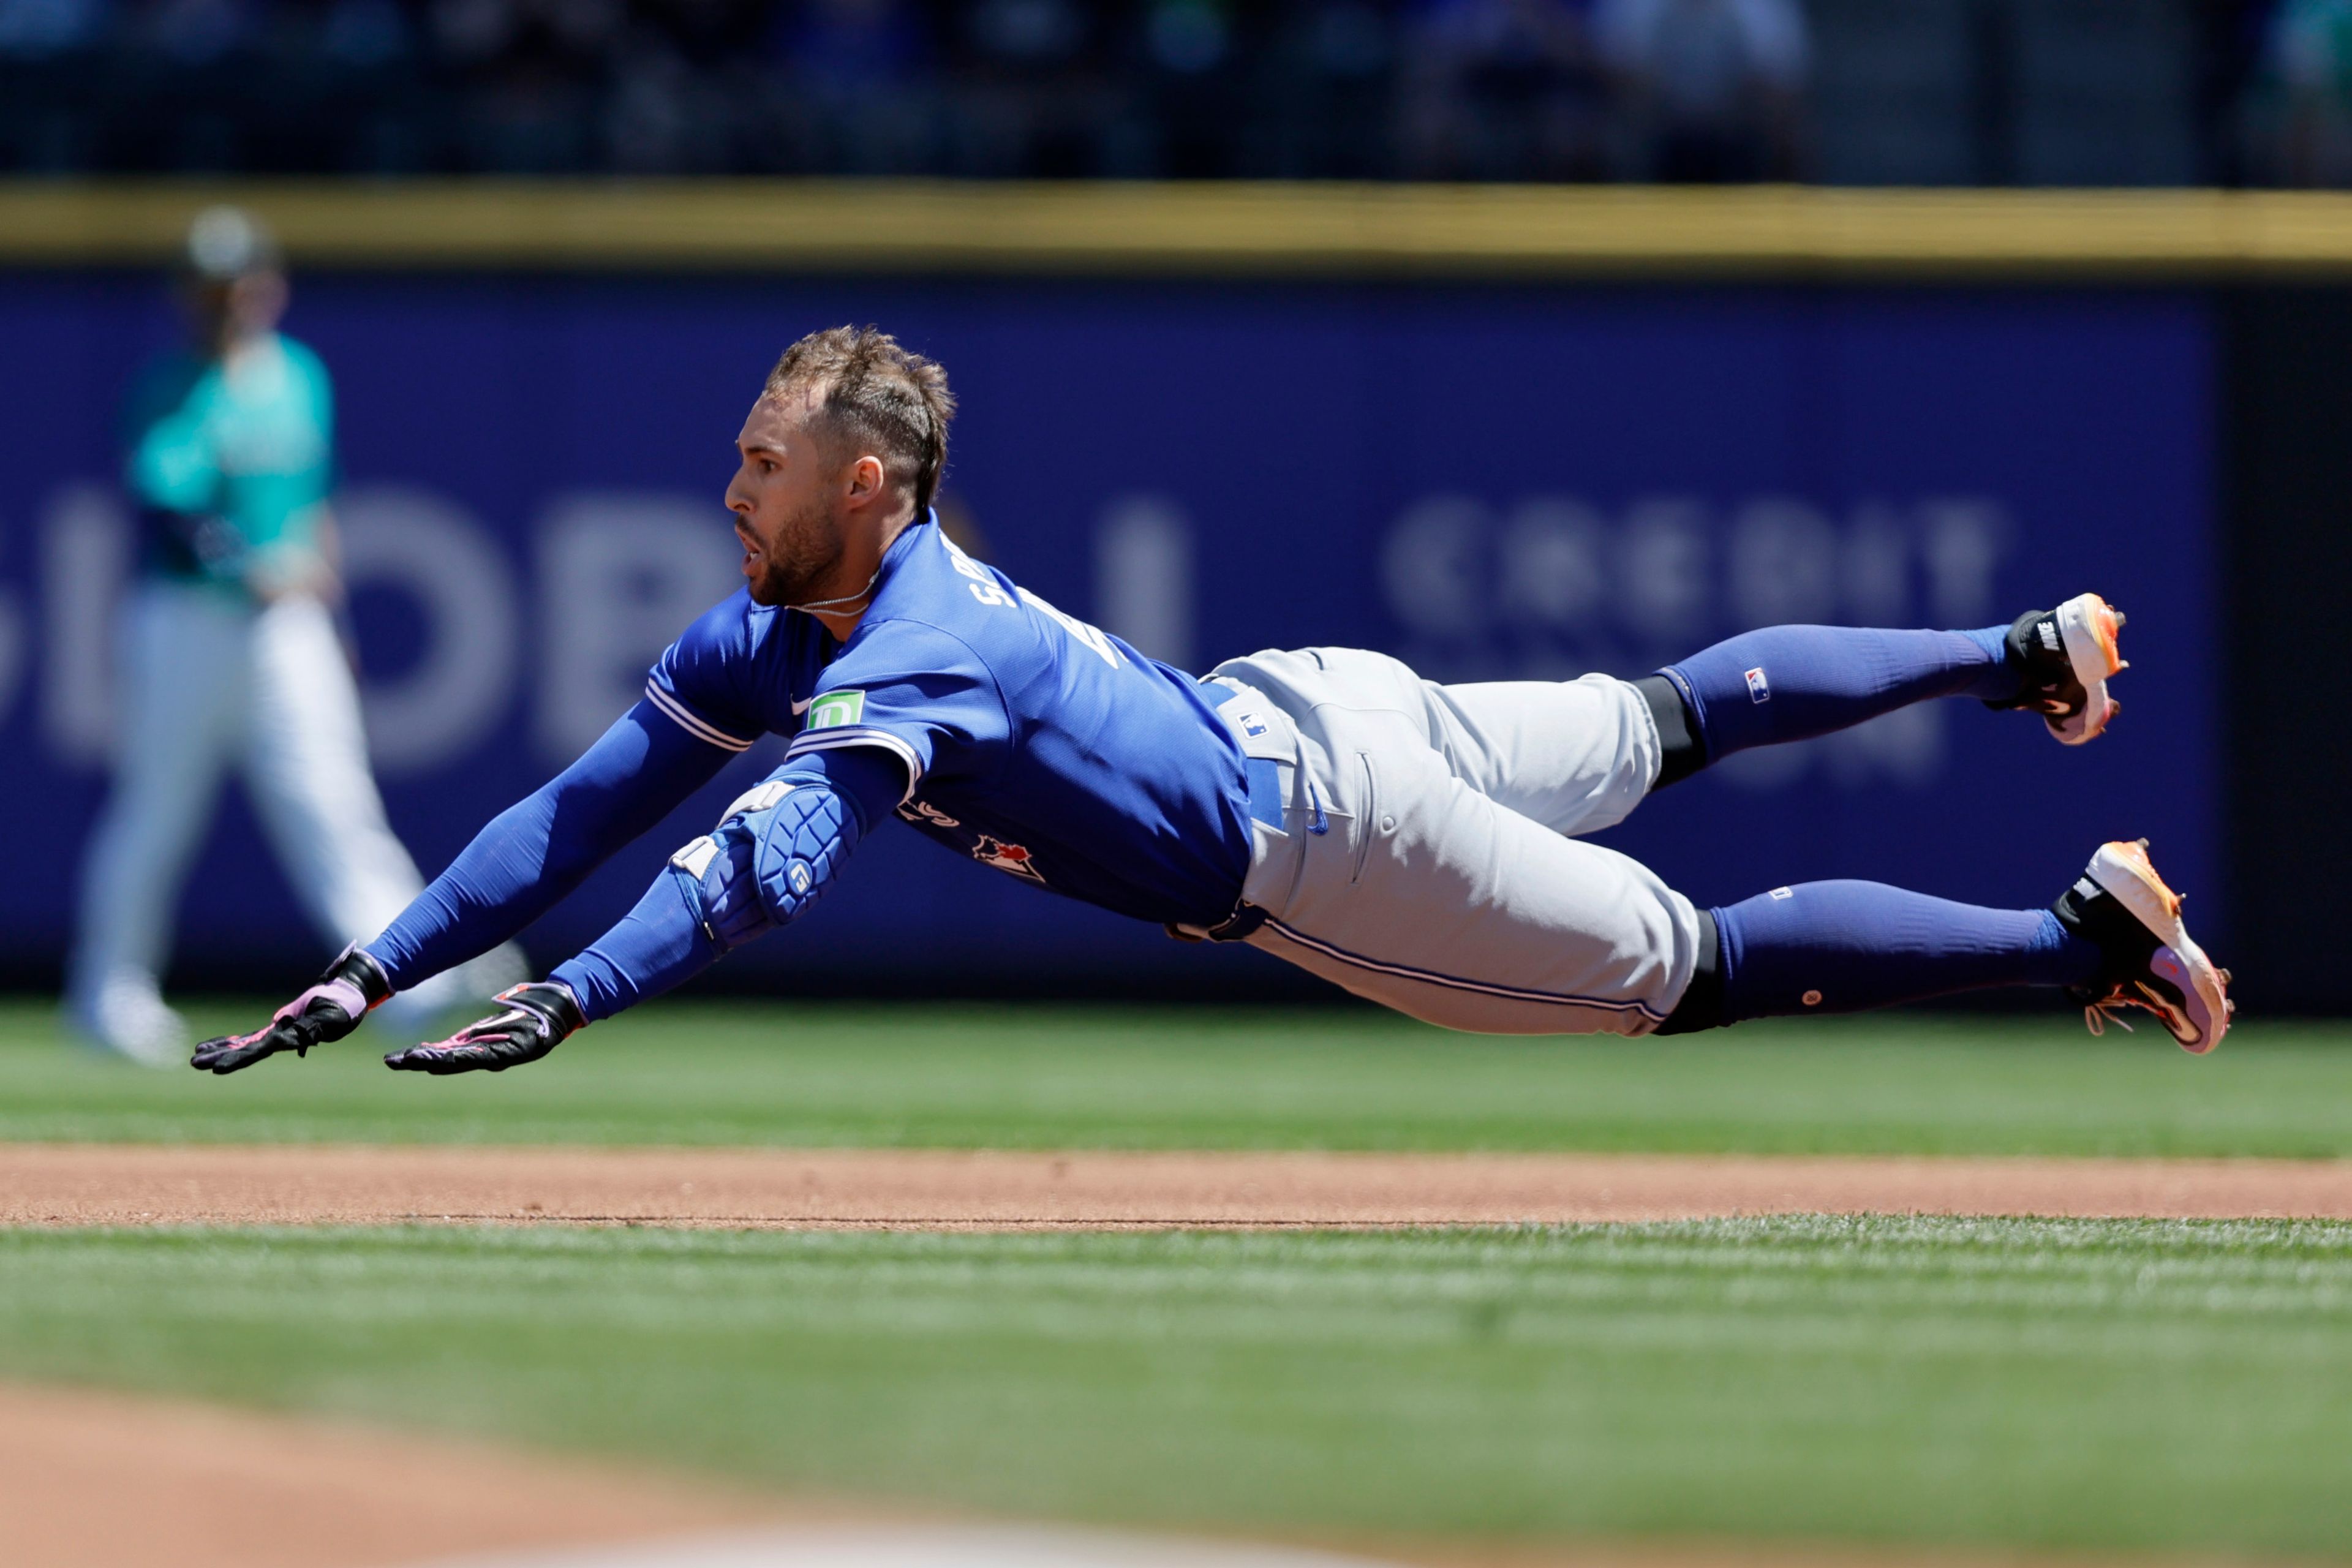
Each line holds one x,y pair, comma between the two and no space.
228,650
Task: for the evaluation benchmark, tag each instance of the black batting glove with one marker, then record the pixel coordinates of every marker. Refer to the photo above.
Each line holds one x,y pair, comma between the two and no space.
331,1009
532,1021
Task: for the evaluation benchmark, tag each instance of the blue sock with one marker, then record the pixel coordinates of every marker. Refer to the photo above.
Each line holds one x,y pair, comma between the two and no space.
1791,683
1844,947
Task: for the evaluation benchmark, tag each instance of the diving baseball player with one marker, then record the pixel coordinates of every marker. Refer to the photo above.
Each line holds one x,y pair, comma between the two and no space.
1416,844
230,651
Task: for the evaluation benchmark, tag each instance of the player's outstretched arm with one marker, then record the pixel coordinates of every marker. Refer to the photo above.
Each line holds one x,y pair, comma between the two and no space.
541,849
772,855
529,857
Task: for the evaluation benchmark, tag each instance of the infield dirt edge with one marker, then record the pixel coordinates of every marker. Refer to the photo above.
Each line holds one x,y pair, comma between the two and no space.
58,1184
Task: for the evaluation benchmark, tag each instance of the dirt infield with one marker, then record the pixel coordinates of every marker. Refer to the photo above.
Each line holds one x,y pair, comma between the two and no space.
108,1480
68,1184
99,1481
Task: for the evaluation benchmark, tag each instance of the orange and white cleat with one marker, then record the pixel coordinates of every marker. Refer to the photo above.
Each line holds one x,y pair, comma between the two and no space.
2124,906
2066,657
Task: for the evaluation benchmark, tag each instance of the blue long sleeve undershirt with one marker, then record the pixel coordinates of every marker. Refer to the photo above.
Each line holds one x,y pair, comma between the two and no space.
541,847
662,942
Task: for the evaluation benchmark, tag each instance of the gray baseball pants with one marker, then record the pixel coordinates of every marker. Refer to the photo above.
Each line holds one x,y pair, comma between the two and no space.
1428,856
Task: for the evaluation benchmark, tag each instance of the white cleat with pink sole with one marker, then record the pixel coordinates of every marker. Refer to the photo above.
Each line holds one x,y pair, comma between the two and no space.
2123,905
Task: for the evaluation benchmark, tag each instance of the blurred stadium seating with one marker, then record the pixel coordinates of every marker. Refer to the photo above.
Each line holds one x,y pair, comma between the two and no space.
2066,92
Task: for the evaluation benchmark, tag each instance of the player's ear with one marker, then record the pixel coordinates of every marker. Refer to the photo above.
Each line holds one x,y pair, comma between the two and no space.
866,477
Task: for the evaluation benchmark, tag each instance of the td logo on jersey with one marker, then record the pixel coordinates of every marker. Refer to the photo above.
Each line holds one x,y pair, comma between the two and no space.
836,710
1005,856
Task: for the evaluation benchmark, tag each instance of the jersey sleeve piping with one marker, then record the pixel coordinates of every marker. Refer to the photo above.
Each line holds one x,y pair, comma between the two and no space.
691,723
860,735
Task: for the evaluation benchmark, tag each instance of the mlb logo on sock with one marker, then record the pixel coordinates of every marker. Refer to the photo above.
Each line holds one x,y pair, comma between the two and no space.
1758,688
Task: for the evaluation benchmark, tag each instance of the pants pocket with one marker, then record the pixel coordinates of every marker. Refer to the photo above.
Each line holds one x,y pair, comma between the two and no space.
1368,818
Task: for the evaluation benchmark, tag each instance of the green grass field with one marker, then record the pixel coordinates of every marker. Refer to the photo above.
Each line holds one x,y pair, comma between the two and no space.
2120,1386
2017,1385
1168,1079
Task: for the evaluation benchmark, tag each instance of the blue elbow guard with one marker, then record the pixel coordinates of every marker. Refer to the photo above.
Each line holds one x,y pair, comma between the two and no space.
800,847
771,856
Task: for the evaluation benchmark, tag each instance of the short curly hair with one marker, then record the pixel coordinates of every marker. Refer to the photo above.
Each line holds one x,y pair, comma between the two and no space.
875,391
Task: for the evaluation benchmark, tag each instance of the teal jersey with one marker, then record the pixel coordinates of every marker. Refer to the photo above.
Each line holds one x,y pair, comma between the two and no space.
229,463
2311,45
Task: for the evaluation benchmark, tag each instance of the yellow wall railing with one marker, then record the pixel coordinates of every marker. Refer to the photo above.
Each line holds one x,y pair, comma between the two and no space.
1220,229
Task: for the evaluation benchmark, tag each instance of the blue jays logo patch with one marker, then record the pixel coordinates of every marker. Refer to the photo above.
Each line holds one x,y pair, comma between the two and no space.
1005,856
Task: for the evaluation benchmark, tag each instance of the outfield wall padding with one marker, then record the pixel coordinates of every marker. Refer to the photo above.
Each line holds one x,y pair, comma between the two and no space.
1494,482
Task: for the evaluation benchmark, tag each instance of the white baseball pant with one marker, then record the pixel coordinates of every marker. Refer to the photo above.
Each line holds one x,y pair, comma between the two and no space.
205,680
1446,880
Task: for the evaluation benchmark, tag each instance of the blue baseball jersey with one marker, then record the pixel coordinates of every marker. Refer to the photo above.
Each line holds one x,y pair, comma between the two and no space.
1033,742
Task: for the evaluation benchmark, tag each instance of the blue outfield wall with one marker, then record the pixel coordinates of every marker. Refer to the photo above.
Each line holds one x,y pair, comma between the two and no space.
1492,483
